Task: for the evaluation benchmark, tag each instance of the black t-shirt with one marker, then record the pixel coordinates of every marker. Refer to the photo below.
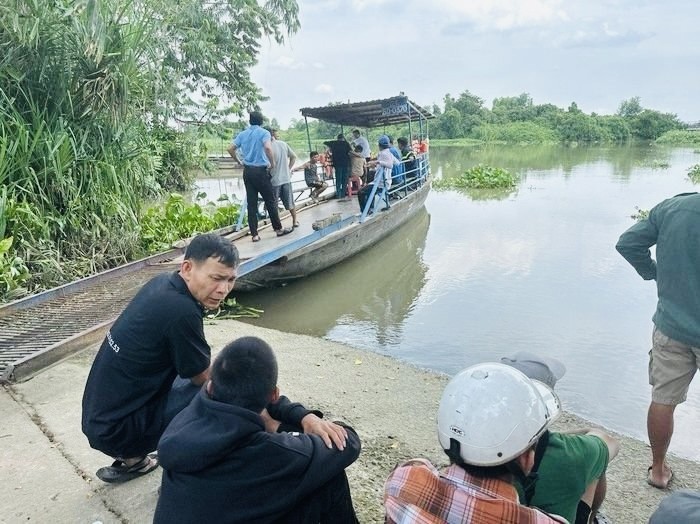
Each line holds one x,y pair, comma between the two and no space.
158,336
340,150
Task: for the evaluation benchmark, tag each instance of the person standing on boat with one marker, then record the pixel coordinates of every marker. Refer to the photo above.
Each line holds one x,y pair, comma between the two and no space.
282,174
674,227
340,153
382,178
240,452
397,178
255,144
408,158
359,140
155,358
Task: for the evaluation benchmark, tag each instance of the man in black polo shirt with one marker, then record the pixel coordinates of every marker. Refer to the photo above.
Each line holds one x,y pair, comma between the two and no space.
340,152
155,358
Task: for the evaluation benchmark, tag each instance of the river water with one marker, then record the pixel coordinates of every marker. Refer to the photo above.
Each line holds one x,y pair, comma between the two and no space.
479,276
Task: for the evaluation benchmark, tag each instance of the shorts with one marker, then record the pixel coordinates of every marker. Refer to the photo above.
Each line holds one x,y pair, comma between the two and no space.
284,193
672,365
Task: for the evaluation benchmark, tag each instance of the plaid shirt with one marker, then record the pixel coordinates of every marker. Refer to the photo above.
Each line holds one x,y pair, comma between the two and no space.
417,493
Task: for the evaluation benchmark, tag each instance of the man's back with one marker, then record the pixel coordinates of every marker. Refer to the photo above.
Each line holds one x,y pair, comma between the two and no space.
282,153
251,141
674,226
145,349
416,492
222,466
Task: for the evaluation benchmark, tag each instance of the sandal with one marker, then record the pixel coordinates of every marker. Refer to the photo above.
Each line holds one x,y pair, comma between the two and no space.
256,238
285,231
120,472
296,224
658,485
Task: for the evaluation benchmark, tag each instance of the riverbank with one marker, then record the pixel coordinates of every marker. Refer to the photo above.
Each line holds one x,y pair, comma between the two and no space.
48,468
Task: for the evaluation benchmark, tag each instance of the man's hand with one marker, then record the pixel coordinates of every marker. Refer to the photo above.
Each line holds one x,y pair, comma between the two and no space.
271,425
329,432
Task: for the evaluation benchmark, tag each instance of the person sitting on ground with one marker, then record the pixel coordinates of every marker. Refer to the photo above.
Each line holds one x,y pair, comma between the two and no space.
311,177
489,421
570,466
242,453
680,507
382,178
155,358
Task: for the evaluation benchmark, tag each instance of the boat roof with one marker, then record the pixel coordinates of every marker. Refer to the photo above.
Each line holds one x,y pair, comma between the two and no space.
394,110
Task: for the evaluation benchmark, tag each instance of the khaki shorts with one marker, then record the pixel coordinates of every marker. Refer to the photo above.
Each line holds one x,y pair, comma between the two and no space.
672,365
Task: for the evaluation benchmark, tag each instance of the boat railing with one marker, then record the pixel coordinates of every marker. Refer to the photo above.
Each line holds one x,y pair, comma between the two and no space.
400,187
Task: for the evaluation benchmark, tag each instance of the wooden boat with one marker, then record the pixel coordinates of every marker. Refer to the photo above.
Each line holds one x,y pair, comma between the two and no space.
342,228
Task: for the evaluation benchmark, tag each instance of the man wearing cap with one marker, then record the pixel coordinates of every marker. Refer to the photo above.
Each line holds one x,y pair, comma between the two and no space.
568,478
489,421
674,227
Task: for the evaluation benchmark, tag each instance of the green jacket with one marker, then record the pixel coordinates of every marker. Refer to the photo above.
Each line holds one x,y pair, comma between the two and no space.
674,227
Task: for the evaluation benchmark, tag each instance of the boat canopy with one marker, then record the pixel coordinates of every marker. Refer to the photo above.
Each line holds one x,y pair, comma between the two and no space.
394,110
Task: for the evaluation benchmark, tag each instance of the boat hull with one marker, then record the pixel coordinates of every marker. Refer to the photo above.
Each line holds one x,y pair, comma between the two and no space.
335,247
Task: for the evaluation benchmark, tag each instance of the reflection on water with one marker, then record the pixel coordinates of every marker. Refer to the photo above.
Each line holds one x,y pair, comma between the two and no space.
536,270
373,292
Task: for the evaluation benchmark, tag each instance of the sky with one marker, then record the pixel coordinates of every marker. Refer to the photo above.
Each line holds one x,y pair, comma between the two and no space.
593,52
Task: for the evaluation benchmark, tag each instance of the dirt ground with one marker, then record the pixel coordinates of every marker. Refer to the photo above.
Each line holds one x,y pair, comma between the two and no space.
393,407
47,467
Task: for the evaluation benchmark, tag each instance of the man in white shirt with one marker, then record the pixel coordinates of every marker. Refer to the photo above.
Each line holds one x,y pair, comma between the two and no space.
359,140
281,174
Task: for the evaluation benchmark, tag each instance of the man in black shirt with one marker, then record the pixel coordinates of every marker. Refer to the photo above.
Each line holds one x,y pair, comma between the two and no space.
155,358
340,152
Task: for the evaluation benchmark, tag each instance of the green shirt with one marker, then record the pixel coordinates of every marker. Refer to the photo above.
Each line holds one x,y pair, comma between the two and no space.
569,464
674,227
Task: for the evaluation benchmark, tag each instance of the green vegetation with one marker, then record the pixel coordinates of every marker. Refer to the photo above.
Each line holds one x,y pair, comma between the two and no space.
639,214
88,92
680,137
479,177
694,174
230,308
162,226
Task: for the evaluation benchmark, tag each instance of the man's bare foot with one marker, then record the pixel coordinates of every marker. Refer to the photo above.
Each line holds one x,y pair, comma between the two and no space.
659,479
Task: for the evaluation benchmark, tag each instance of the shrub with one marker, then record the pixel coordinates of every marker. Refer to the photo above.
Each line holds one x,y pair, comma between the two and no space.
479,177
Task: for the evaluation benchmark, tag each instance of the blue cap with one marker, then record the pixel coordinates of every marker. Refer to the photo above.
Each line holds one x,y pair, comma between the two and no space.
383,140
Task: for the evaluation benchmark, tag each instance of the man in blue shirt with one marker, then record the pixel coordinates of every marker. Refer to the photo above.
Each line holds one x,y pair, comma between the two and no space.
255,144
674,227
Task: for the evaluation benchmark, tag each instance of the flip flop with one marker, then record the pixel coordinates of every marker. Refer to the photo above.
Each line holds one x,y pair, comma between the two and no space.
119,472
285,231
256,238
296,224
656,484
601,518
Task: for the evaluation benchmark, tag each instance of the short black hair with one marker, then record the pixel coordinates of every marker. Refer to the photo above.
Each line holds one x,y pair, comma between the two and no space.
312,154
340,136
209,245
244,374
358,148
356,131
403,141
256,118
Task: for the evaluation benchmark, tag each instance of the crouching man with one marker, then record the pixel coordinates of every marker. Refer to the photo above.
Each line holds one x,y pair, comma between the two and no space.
240,452
489,421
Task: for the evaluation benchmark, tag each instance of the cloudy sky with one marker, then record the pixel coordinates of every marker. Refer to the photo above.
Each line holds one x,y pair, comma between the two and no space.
594,52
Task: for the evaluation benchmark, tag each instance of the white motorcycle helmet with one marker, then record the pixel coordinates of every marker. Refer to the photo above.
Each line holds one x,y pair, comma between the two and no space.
494,413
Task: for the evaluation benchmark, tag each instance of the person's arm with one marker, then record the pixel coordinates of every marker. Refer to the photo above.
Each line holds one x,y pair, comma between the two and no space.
267,146
201,378
232,151
292,416
292,157
300,167
634,246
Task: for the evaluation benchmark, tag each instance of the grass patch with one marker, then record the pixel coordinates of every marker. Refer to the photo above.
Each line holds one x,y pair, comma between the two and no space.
479,177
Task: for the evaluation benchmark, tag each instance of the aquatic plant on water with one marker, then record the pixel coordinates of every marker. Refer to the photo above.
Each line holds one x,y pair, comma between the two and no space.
639,214
694,174
479,177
